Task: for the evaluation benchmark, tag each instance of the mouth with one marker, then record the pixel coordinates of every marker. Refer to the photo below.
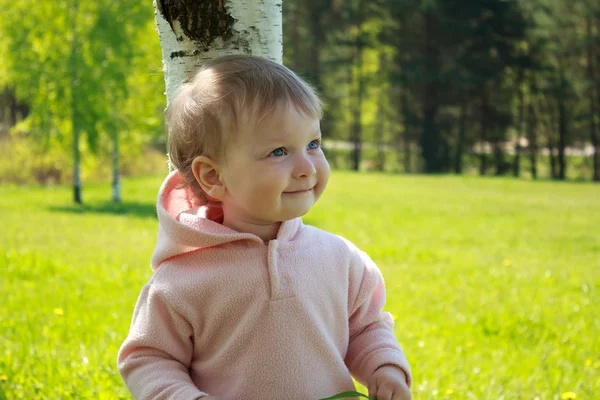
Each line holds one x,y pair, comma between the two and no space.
300,191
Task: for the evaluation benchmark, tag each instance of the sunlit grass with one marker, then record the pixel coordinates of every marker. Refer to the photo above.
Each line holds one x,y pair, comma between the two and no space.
494,283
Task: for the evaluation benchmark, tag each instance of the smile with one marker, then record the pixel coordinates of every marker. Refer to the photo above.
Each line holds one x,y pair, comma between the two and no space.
300,191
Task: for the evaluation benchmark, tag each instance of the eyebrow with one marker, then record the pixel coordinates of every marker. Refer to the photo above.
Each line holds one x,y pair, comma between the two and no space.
317,133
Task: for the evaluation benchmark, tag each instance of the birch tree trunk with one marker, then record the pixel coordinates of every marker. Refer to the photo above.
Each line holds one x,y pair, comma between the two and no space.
360,89
379,131
116,183
193,32
74,111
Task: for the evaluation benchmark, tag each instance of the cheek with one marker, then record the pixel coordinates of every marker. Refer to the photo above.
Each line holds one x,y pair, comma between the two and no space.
273,175
323,175
267,181
323,171
250,179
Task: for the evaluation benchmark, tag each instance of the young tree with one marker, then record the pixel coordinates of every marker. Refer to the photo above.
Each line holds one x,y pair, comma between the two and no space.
594,111
71,69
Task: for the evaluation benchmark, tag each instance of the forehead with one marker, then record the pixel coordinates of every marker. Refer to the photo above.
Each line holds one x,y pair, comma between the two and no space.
280,123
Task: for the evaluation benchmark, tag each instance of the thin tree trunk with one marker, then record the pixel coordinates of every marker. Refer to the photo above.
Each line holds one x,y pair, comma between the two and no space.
12,110
532,139
551,145
460,143
597,72
517,158
593,107
406,159
379,132
499,158
6,108
381,117
431,142
483,130
74,114
350,95
317,39
357,129
116,184
562,124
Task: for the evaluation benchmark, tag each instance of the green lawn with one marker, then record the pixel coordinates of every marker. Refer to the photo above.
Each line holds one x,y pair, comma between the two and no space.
494,283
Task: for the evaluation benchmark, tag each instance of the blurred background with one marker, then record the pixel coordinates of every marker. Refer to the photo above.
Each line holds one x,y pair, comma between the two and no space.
490,87
494,280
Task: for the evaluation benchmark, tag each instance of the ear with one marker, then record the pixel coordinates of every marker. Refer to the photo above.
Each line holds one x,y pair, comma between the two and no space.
206,172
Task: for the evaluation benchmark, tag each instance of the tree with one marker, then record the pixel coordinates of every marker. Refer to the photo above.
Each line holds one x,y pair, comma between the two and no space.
115,28
460,74
593,40
193,32
71,69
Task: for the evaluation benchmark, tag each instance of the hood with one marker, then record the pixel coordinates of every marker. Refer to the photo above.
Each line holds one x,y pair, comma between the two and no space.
184,227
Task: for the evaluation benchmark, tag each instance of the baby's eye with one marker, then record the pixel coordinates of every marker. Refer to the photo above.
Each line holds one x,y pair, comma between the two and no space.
315,144
278,152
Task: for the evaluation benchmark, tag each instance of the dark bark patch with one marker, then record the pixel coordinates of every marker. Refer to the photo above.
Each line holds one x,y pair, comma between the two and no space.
200,20
181,53
177,54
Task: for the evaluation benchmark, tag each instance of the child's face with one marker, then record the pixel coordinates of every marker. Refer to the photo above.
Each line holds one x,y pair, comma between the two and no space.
274,171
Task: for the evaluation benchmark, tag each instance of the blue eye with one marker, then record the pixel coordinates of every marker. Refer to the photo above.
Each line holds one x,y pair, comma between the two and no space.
278,152
315,144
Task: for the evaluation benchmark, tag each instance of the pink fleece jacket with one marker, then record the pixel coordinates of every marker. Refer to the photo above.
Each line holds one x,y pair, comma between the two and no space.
227,315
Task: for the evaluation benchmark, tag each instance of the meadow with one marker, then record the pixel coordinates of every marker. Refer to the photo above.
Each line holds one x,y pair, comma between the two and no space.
494,283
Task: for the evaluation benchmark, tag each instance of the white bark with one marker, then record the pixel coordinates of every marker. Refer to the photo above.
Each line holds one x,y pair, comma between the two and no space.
256,30
74,114
116,185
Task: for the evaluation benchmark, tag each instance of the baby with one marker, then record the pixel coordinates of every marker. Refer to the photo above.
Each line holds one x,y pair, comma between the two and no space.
247,302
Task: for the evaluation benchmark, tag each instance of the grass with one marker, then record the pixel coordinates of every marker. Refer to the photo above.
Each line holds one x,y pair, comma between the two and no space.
494,283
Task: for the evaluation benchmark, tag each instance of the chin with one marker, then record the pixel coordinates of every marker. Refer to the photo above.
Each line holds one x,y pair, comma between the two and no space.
295,210
293,214
302,212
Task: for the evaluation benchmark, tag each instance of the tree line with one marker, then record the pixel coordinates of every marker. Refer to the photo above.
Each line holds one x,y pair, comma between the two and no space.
508,87
494,83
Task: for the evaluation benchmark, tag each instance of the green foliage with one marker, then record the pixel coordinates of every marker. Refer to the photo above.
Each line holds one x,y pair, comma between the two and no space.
85,60
31,163
447,57
493,283
420,66
27,166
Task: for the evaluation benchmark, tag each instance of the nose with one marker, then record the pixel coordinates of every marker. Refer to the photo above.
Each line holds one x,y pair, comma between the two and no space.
304,167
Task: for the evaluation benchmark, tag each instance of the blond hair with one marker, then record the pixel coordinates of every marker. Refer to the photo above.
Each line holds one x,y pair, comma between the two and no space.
204,115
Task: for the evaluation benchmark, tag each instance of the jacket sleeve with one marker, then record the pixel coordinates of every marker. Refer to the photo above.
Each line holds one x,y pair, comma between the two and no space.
372,341
155,358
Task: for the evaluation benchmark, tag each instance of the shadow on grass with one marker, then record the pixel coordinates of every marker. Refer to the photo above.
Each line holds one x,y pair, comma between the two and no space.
139,210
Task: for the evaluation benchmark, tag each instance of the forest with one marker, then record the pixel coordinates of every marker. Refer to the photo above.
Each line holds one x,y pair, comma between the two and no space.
489,87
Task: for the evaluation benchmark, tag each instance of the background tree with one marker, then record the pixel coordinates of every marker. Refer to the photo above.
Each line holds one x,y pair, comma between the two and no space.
489,87
71,70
